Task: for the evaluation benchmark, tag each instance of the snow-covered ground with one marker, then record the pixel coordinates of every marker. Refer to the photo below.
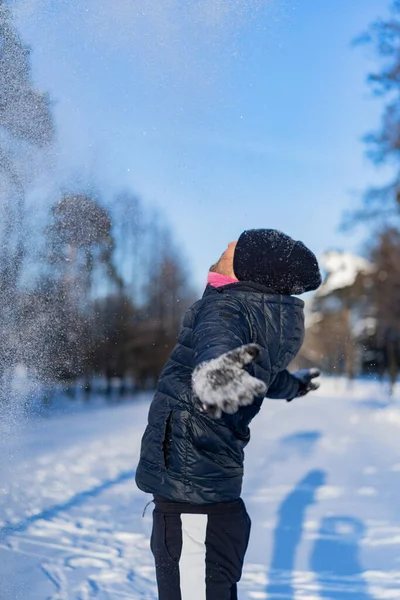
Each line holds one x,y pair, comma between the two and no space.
322,488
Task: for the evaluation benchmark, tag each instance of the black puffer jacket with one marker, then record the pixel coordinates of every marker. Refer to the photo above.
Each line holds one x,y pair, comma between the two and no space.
186,455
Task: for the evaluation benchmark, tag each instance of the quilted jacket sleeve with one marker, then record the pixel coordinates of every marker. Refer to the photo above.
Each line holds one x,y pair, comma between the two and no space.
220,326
284,386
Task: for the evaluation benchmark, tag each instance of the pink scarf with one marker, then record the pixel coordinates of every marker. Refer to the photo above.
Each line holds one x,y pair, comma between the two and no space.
217,280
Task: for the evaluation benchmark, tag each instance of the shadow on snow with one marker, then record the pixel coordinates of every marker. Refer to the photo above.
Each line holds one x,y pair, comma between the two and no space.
76,500
335,555
335,559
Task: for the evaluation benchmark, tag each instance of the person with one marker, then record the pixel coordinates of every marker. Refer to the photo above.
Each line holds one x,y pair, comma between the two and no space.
233,351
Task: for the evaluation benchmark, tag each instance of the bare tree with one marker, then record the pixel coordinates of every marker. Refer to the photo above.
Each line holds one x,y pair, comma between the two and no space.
80,241
79,247
167,295
130,228
385,299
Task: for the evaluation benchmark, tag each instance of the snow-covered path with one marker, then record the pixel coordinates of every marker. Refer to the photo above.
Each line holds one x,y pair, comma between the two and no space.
322,488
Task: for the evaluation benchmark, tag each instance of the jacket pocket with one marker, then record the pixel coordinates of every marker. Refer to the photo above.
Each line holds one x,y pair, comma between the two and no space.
167,440
218,443
157,442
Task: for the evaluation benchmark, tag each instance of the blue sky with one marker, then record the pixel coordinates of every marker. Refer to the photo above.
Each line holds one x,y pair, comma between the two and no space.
227,115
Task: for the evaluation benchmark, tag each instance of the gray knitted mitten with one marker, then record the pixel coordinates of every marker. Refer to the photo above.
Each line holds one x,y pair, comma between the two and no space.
223,385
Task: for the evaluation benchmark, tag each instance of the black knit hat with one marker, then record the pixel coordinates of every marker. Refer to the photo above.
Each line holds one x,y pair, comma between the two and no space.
273,259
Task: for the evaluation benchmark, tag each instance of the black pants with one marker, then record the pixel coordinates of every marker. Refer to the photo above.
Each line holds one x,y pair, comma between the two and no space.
199,550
